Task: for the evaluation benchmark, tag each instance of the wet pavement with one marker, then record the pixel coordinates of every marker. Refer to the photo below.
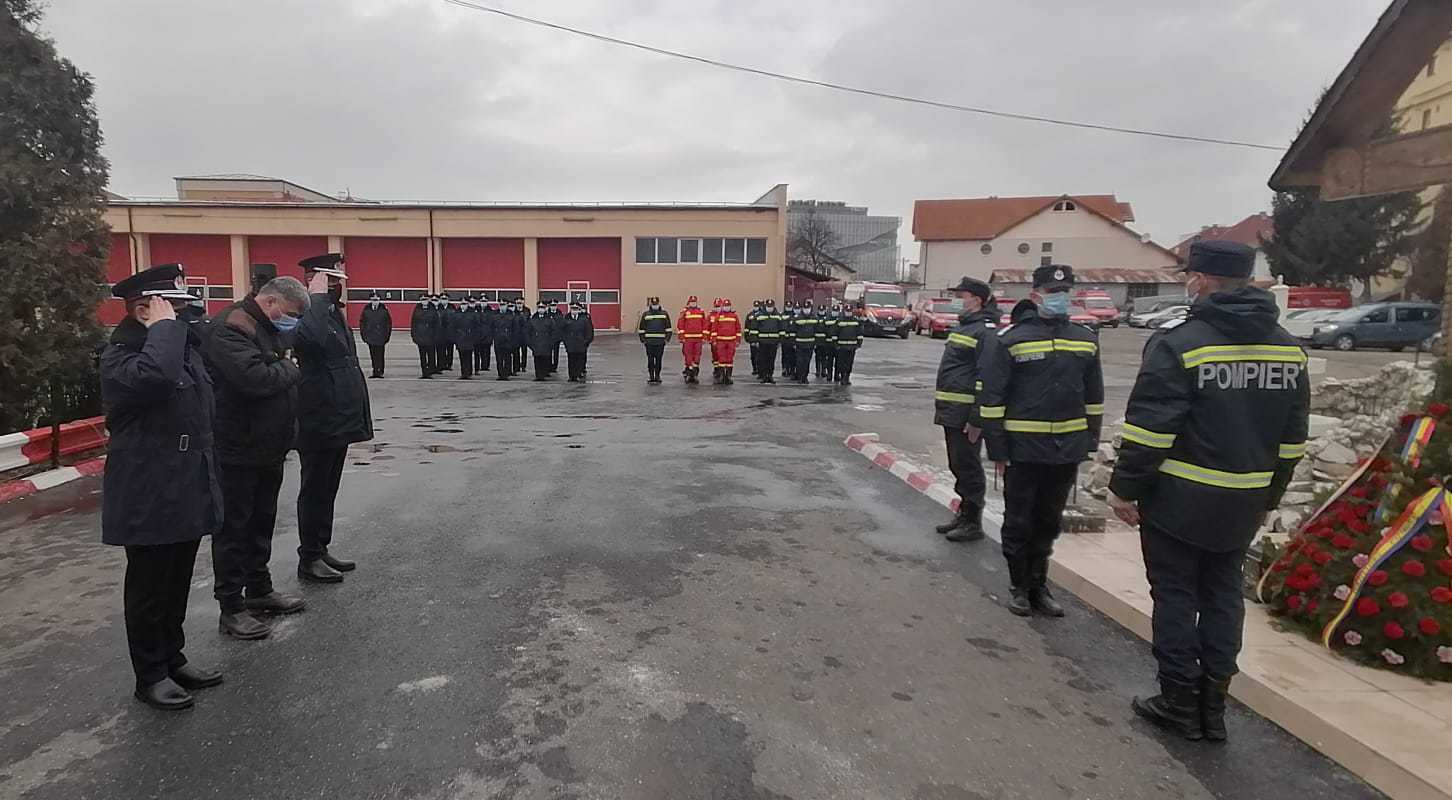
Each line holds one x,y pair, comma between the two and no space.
610,591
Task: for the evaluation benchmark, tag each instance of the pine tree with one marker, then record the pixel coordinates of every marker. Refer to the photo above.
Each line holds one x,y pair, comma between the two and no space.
1321,242
53,240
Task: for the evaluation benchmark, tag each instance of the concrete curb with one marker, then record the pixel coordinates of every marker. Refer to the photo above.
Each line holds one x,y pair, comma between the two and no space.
11,490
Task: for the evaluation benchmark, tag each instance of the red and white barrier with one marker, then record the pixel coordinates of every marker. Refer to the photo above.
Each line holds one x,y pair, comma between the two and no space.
10,490
33,447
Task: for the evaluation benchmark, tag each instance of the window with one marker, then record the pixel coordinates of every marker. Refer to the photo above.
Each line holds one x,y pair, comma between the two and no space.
986,249
414,295
1023,248
644,250
1047,247
219,292
604,296
510,295
552,295
1379,315
1426,118
1065,205
1414,314
756,251
735,251
690,251
1045,261
1142,290
665,250
711,251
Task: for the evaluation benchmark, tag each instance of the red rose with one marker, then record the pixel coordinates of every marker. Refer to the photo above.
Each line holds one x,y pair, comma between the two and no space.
1397,600
1312,606
1377,578
1294,582
1364,510
1367,607
1445,565
1293,547
1280,566
1441,594
1380,464
1347,515
1407,420
1311,581
1358,526
1393,630
1322,558
1429,626
1293,602
1380,482
1359,491
1343,541
1323,533
1438,410
1421,542
1304,569
1414,568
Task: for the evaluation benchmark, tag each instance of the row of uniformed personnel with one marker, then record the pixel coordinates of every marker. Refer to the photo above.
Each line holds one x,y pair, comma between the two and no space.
799,331
1202,460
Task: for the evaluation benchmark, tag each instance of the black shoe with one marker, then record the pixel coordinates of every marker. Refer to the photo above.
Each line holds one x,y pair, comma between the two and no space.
318,572
242,625
165,695
966,533
1018,603
1176,708
339,564
375,375
1044,603
1212,707
193,678
951,525
426,376
275,603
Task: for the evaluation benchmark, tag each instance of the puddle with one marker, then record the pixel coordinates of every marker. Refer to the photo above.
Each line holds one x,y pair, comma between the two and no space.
382,458
574,446
447,430
441,448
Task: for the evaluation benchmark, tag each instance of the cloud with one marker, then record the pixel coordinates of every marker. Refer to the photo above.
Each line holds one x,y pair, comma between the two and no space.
418,99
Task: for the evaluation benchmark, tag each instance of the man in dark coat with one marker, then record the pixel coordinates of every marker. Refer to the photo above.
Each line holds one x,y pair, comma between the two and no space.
376,327
503,325
559,336
256,416
447,315
520,327
541,341
467,325
486,336
579,333
160,486
423,327
333,413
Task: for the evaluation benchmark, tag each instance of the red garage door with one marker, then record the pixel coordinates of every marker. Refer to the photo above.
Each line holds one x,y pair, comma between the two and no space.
118,268
207,259
568,268
493,268
398,267
284,251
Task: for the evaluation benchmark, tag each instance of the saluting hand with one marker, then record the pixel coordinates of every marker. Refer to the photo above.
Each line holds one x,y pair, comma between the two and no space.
319,284
158,309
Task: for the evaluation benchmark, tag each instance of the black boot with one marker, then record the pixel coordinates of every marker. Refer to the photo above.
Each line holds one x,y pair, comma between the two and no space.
339,564
192,678
971,528
275,603
318,572
727,375
242,625
1018,602
1176,708
1212,707
165,695
953,524
1039,595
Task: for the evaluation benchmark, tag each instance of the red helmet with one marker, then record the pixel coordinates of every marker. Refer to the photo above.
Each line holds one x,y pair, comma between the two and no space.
692,299
716,303
725,301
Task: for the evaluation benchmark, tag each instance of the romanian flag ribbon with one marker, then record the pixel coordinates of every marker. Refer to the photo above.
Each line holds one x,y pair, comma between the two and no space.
1412,520
1417,438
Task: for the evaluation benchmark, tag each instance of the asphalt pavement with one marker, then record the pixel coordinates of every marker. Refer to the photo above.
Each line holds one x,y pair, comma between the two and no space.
610,590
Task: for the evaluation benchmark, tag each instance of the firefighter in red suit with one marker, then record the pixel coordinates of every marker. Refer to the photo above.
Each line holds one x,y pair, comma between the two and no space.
725,335
691,330
711,338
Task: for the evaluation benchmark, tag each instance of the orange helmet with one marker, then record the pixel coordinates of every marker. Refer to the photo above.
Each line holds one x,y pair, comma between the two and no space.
725,301
691,299
716,303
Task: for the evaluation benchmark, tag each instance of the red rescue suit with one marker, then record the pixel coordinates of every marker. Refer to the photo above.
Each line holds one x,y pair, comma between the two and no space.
691,330
725,333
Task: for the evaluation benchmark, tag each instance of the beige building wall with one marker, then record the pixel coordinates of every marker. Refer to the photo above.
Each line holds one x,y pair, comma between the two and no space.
1427,102
1081,239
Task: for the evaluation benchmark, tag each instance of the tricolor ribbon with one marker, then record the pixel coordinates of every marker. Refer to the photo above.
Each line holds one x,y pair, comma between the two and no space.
1417,438
1411,521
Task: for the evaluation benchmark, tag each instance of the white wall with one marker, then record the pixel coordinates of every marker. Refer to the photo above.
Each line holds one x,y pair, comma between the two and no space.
1081,239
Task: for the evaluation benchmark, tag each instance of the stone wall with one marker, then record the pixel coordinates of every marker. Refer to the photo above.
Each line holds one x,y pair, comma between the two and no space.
1349,420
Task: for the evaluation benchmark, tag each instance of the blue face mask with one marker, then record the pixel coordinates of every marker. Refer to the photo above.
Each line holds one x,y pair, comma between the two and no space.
1056,304
286,323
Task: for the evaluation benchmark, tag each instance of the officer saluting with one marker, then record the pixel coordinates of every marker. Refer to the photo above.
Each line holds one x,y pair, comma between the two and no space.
1042,406
1216,423
161,494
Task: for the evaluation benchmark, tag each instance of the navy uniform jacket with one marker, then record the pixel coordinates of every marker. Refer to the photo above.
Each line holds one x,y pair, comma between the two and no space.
160,484
955,402
1216,422
332,399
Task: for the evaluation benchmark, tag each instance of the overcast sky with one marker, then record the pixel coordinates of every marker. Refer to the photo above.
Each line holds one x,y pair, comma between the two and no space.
418,99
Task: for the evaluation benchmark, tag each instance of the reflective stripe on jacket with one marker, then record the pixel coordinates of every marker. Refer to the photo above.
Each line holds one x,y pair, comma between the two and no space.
955,400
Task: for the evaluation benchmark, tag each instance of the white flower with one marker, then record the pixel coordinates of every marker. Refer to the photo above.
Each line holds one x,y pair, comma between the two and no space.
1392,657
1444,655
1361,560
1342,592
1352,638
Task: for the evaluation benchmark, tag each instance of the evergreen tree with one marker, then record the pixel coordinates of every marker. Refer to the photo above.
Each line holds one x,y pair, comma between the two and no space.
1320,242
53,241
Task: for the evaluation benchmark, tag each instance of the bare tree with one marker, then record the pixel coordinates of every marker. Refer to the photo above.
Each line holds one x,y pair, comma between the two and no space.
813,247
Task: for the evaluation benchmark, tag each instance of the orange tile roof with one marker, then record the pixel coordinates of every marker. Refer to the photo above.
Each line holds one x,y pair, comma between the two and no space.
988,217
1093,275
1250,231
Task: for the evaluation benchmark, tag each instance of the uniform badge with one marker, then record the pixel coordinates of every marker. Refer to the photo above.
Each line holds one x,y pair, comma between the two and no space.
1058,274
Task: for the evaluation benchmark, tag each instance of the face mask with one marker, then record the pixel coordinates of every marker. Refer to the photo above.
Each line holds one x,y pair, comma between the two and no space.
1193,287
1056,304
286,323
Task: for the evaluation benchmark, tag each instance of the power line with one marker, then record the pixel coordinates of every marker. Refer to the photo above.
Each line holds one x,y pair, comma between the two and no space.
901,98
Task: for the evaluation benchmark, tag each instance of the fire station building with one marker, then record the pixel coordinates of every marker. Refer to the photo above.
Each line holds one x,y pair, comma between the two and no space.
609,255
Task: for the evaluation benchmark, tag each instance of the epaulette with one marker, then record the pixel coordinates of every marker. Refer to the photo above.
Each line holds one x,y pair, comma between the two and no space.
1174,323
990,324
1006,329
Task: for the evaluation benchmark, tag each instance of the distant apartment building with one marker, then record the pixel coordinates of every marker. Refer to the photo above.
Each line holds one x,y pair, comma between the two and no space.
976,237
864,244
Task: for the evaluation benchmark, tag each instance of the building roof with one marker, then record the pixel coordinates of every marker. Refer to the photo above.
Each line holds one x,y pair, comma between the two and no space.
1251,231
980,218
1342,147
1095,275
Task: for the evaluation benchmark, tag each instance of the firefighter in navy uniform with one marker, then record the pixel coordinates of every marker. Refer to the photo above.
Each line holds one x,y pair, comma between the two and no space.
848,335
804,331
1042,406
1215,426
654,330
749,334
785,341
771,332
956,406
826,341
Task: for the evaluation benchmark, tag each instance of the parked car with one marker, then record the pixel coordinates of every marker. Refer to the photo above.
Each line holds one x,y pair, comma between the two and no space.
1390,325
1151,319
1075,315
1099,305
1167,316
886,306
1301,322
936,316
1140,319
